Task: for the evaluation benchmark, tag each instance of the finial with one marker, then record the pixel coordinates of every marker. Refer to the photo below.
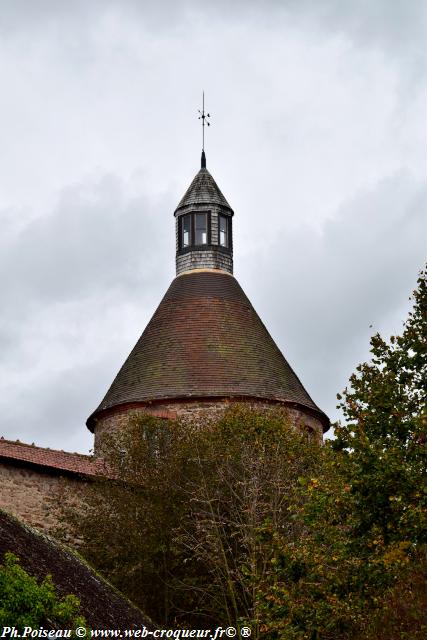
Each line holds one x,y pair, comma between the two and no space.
204,118
203,163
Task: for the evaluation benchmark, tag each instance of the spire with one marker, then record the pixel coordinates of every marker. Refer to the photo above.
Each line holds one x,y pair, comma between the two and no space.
203,191
204,238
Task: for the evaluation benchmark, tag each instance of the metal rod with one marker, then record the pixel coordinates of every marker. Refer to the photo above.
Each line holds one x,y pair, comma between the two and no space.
204,118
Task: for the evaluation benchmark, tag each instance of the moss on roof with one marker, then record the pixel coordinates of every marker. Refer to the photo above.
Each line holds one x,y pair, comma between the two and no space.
205,340
101,604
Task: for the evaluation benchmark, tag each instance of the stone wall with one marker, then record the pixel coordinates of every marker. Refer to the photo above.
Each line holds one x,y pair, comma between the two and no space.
29,494
198,410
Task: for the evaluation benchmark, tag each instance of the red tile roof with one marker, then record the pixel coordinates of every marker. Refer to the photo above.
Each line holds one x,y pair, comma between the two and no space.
50,458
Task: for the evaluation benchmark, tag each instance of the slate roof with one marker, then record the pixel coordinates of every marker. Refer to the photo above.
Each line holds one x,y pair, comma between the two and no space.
102,606
49,458
205,340
203,191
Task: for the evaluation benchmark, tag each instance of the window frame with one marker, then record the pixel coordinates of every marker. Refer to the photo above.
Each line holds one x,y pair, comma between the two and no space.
192,244
206,229
227,231
181,231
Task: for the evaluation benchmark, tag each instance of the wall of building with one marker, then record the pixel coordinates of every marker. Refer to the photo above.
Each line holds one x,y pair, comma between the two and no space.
30,494
199,410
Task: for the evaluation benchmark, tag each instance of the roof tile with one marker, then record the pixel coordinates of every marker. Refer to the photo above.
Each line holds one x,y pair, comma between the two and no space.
203,190
205,340
50,458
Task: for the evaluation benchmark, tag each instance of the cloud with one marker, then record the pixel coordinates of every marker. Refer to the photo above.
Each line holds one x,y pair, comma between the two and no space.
324,294
78,279
94,239
318,142
395,25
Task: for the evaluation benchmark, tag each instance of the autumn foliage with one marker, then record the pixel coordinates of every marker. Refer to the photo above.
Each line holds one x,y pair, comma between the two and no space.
244,521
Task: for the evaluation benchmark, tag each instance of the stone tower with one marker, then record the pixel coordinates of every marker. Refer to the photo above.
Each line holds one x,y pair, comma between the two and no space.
205,345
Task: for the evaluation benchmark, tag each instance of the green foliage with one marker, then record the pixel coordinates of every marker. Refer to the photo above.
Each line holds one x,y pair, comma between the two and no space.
182,522
365,512
25,602
386,431
242,520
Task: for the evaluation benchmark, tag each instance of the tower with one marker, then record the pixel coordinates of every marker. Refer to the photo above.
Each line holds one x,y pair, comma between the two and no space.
205,345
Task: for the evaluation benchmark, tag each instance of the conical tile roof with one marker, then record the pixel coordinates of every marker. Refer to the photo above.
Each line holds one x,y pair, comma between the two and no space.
205,340
203,191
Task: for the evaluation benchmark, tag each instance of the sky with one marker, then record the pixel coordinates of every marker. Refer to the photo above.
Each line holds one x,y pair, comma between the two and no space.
318,141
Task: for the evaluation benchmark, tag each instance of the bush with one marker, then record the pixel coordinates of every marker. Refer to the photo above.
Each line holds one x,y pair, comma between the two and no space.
25,602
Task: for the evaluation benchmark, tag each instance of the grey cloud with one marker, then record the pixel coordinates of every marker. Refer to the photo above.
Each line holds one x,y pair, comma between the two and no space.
53,411
93,240
68,278
324,295
317,292
394,24
300,124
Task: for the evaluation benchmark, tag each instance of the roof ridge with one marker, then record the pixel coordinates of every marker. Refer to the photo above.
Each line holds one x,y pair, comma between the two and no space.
33,447
53,459
101,604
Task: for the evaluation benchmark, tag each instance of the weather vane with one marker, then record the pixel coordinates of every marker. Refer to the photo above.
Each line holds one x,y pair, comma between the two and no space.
204,118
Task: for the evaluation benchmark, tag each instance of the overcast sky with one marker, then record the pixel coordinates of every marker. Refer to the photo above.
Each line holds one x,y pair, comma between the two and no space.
318,141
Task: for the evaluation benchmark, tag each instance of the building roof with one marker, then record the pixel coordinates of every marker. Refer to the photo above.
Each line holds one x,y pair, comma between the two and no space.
51,459
102,606
205,340
203,191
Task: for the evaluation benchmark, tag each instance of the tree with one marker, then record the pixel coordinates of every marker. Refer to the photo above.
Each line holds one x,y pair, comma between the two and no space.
385,408
182,518
24,602
242,520
364,515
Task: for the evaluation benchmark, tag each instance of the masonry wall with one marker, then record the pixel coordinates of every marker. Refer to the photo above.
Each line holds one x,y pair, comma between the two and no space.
30,494
198,411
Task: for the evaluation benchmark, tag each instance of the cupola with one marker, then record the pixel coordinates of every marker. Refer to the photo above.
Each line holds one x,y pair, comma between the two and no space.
204,236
